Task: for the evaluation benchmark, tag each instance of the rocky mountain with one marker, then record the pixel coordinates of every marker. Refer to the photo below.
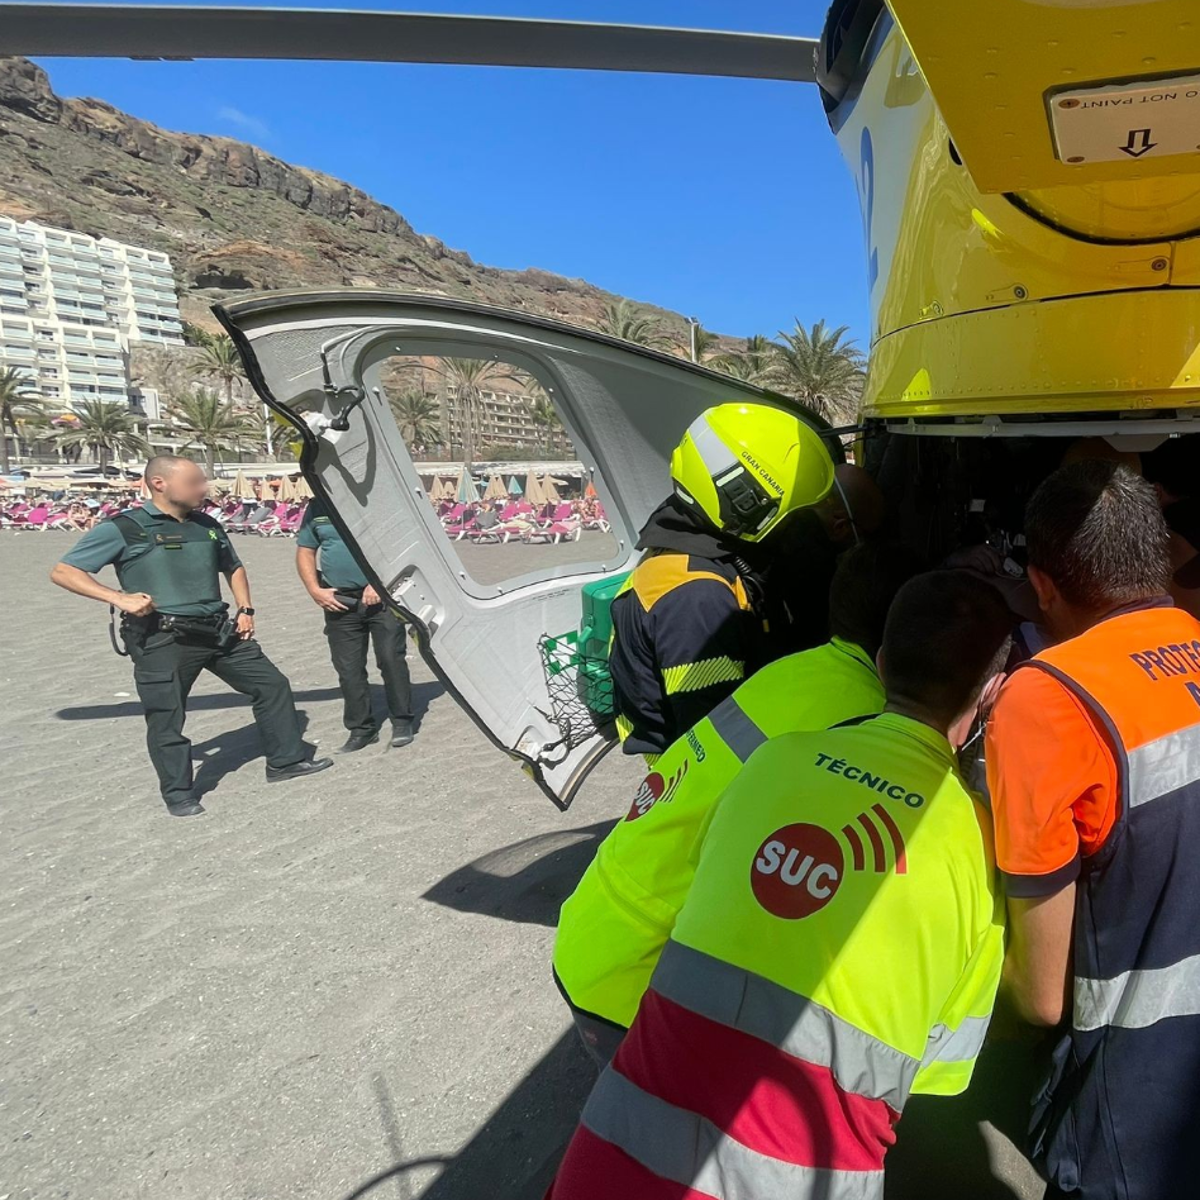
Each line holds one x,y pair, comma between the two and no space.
231,216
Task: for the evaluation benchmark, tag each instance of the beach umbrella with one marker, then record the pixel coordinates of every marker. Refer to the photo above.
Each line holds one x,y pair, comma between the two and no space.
514,486
143,490
468,493
243,488
590,490
437,493
302,489
496,489
287,489
550,492
533,489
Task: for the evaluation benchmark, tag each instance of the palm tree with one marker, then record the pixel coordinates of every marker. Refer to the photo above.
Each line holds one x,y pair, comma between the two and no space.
706,343
545,417
820,369
193,335
622,320
750,363
736,366
467,377
418,417
220,360
17,399
107,430
205,421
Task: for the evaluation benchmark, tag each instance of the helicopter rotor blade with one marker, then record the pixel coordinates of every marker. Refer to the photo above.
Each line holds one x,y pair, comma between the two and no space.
178,32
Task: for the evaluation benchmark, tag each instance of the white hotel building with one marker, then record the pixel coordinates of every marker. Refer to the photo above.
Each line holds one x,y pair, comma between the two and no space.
71,305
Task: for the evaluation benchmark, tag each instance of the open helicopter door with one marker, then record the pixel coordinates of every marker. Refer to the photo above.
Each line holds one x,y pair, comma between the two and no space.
393,386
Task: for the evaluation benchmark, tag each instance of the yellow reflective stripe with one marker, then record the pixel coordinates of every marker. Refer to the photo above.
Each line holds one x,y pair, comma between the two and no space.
694,677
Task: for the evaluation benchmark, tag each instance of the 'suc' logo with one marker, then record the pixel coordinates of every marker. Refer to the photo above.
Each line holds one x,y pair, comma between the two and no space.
797,871
653,789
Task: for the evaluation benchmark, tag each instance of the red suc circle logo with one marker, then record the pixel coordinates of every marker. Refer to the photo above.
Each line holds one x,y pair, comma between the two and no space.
648,793
797,871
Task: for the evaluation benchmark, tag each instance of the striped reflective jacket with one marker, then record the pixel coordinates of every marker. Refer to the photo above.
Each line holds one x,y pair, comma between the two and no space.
1121,1117
684,636
614,926
839,949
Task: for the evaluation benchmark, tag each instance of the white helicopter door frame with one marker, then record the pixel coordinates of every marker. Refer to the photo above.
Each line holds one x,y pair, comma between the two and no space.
622,406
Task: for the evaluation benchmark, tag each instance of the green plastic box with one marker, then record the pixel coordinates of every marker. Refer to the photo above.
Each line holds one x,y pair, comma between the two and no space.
595,633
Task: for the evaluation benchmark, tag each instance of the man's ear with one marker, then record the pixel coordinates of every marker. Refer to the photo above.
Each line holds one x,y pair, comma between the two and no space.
1044,587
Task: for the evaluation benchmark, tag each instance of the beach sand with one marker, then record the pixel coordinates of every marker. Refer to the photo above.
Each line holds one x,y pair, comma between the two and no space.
309,985
296,991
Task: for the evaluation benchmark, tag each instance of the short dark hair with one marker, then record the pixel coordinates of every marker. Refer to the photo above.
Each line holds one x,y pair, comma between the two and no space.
1096,529
163,464
864,586
947,634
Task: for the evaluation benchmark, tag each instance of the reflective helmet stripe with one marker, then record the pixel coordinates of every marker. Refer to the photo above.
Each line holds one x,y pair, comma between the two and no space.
716,455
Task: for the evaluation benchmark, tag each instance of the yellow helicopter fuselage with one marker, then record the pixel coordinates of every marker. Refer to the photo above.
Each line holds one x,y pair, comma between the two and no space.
1029,175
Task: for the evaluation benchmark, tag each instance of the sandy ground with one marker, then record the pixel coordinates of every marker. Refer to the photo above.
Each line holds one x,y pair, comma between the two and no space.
314,983
491,562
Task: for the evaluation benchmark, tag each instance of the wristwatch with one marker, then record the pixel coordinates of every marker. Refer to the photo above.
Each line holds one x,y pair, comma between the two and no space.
249,612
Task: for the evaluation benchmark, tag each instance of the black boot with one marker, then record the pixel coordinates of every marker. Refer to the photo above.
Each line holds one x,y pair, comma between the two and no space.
298,770
402,732
191,807
359,741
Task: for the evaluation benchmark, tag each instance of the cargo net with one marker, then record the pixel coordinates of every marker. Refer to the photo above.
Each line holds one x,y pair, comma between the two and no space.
580,688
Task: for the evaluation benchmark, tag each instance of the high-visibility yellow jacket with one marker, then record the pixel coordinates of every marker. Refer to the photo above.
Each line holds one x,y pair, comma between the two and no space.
612,929
838,951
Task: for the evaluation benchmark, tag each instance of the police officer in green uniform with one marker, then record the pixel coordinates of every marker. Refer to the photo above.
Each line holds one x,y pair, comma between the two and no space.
354,616
169,559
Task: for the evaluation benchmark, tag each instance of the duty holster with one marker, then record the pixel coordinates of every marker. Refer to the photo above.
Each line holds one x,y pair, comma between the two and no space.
218,632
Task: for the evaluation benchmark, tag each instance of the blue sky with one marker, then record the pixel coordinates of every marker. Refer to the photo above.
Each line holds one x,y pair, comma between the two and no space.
722,199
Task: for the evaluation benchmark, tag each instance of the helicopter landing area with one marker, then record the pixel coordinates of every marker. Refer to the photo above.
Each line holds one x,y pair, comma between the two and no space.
315,983
496,562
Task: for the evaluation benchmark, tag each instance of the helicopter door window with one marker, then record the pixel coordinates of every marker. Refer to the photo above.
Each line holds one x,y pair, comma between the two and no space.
515,498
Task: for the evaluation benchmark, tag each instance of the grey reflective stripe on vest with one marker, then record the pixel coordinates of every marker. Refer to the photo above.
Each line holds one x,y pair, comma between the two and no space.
963,1044
792,1023
1136,999
734,727
1164,766
687,1149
